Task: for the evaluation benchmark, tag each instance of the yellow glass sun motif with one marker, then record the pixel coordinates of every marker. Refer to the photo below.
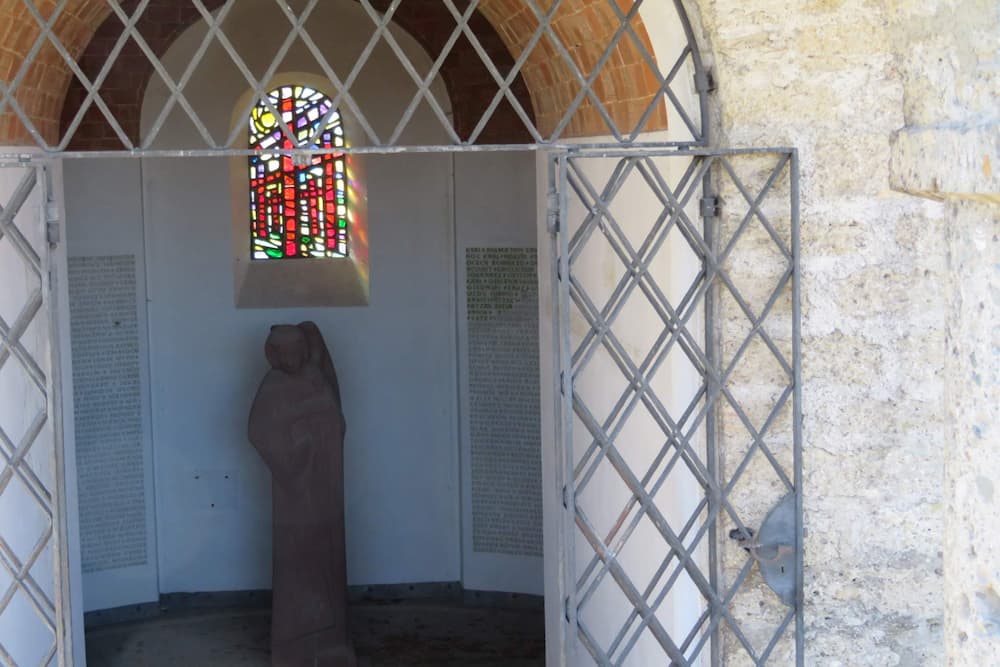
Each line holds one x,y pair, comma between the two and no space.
263,119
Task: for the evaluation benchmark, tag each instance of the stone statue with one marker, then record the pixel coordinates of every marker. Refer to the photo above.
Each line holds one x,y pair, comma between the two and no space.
297,426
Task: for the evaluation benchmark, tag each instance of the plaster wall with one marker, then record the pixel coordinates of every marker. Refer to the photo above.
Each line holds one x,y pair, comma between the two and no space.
109,221
494,207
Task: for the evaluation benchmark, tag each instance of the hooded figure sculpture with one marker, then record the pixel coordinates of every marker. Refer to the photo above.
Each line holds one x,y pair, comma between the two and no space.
297,426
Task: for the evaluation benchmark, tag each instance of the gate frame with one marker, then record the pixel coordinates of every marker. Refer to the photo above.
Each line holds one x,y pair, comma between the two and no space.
557,526
67,602
557,382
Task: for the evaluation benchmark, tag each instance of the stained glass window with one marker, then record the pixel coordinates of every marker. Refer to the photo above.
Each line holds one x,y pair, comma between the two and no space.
298,208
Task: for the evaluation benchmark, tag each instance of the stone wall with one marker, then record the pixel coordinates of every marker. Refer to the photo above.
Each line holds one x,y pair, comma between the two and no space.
825,76
948,151
972,541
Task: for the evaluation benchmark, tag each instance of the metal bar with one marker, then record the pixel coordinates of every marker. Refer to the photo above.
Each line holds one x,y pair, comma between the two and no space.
669,318
15,457
603,150
797,413
62,592
713,352
654,582
656,517
566,389
778,634
704,136
708,283
594,580
563,523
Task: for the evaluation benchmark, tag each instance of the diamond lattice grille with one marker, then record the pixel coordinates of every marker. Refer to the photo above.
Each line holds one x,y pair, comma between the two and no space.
679,430
488,72
28,615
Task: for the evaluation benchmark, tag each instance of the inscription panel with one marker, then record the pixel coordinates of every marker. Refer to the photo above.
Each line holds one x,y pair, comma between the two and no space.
504,421
107,396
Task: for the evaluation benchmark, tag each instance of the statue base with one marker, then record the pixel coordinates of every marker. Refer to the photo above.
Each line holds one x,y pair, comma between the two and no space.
312,651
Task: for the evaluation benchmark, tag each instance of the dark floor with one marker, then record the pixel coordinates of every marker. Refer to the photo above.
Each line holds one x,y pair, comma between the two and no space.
408,633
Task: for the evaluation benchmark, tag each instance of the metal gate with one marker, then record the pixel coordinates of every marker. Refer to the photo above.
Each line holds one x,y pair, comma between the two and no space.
674,271
677,292
32,504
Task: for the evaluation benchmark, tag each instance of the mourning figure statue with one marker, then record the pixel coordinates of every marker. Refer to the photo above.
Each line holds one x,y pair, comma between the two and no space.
297,426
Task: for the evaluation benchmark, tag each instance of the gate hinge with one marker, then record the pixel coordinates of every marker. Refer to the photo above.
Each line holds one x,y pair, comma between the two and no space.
704,81
53,234
552,219
565,496
710,207
53,228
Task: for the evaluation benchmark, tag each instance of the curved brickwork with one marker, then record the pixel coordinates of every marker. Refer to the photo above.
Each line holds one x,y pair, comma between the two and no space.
625,85
469,84
43,87
545,87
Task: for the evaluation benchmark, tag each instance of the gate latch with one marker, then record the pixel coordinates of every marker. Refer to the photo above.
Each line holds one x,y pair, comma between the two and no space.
773,547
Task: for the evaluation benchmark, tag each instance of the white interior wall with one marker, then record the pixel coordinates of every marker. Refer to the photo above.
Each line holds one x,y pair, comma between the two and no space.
494,207
108,221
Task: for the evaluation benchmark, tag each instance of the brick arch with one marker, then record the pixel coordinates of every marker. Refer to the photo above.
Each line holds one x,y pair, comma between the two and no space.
625,85
545,86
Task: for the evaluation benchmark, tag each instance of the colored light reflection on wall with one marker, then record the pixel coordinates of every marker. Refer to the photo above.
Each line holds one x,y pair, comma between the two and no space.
357,212
298,208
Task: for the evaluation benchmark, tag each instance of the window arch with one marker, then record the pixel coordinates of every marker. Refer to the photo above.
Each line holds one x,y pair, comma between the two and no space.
298,209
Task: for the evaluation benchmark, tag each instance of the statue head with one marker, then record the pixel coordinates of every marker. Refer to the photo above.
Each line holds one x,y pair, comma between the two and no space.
287,348
315,342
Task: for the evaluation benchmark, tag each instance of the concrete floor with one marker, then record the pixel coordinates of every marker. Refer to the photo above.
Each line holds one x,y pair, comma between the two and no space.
409,633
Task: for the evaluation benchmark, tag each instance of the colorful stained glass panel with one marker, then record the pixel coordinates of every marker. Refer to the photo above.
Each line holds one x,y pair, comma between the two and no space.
295,203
